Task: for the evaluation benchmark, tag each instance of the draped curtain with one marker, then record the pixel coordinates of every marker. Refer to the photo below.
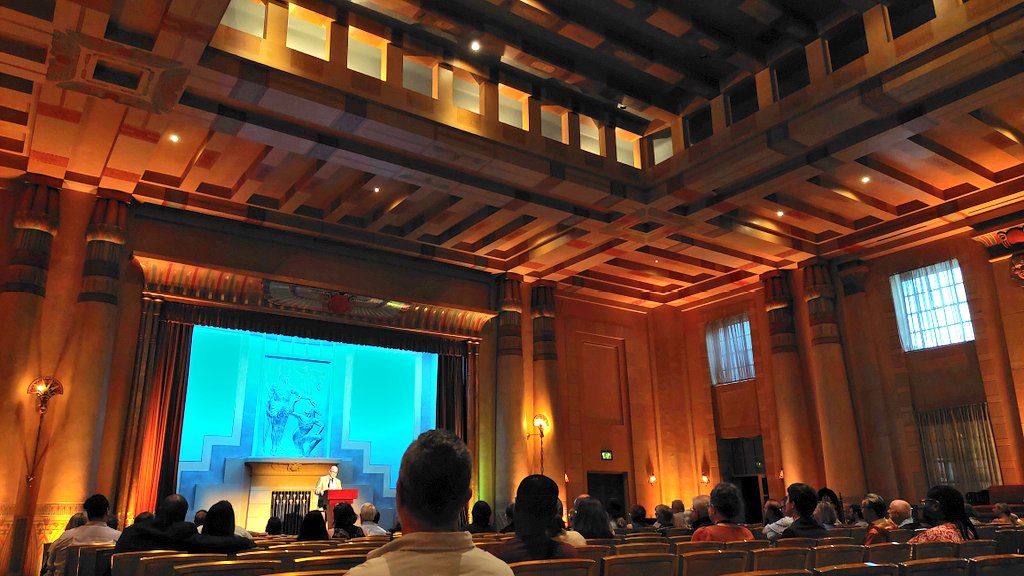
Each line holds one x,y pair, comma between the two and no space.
958,447
153,430
730,352
931,306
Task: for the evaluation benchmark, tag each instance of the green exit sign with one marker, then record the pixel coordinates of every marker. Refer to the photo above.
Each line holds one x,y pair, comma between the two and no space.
606,455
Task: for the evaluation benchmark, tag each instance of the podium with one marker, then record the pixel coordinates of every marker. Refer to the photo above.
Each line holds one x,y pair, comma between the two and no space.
337,497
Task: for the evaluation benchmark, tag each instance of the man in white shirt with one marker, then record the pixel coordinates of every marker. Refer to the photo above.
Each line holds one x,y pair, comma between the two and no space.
95,531
432,490
327,482
368,521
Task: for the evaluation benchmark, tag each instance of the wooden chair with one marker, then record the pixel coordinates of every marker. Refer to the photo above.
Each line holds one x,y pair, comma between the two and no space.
488,546
713,562
656,536
127,563
311,546
791,572
746,545
641,548
859,570
682,538
229,568
833,540
934,567
780,558
901,536
1007,542
838,531
837,554
858,533
973,548
595,553
925,550
997,565
566,567
163,565
286,557
889,553
362,549
332,562
640,565
673,532
604,541
313,573
87,555
796,543
686,547
987,532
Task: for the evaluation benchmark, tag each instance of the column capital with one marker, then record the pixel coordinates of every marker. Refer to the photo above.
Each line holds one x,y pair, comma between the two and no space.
104,251
779,305
510,305
36,221
542,299
820,294
853,275
818,281
776,290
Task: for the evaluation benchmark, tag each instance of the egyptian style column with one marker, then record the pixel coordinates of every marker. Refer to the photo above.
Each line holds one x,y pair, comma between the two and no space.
72,458
546,390
844,465
21,301
871,413
512,463
799,462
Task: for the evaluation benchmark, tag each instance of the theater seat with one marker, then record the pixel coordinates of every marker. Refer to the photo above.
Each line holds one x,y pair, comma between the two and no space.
639,565
713,562
566,567
934,567
997,565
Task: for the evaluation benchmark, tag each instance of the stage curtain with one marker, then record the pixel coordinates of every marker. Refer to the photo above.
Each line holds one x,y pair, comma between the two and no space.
452,385
958,447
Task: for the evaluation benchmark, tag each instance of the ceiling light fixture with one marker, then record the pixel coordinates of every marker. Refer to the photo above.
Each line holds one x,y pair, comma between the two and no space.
474,46
865,179
174,138
621,106
780,213
376,189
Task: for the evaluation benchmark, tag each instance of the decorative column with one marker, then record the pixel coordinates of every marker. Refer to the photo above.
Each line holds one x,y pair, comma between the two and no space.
870,407
799,462
72,457
472,419
21,300
512,463
546,390
844,466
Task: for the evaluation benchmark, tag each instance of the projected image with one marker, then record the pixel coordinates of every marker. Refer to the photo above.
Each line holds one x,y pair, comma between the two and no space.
295,398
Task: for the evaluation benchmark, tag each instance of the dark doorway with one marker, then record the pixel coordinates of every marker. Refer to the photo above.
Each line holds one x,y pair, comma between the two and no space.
750,490
606,487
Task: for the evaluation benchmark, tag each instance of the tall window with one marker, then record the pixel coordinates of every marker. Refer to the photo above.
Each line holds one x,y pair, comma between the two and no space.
958,447
931,306
730,352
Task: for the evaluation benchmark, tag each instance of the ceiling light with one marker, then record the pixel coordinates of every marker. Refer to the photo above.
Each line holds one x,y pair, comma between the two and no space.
780,213
621,106
865,179
655,260
475,46
376,189
174,138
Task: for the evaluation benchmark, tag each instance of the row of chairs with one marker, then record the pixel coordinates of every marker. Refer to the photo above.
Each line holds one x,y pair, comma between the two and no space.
669,565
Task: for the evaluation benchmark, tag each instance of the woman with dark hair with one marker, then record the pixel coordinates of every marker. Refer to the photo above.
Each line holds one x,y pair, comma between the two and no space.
345,521
274,526
313,527
617,516
220,520
481,519
944,510
591,521
218,535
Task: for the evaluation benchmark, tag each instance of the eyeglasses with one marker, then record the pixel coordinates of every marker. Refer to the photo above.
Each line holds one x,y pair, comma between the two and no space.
930,503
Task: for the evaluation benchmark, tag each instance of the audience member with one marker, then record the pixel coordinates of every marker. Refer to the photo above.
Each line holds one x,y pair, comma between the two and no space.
617,515
166,531
510,519
313,527
111,521
591,519
575,504
700,512
94,531
724,508
481,523
275,526
1004,515
853,516
825,514
562,534
536,508
77,519
219,535
774,530
944,511
902,515
800,504
873,507
199,519
678,519
638,520
432,490
663,519
368,517
972,515
771,511
829,495
345,521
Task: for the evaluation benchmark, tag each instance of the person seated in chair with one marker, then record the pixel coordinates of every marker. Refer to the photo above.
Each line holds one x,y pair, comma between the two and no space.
368,516
802,500
345,522
167,531
724,509
874,508
218,535
94,531
536,509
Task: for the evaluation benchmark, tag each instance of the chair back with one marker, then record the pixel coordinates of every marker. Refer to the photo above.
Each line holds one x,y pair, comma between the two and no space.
838,531
838,554
832,540
987,532
997,565
858,533
163,564
796,543
656,536
901,535
127,563
604,541
592,552
889,553
315,547
746,545
641,548
687,547
934,567
784,572
229,568
313,573
859,570
1007,542
713,562
925,550
972,548
780,558
332,562
681,538
563,567
488,546
87,556
678,532
639,565
363,549
285,557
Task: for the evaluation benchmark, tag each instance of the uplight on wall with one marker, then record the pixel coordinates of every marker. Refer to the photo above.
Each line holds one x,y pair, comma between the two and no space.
705,479
653,479
541,423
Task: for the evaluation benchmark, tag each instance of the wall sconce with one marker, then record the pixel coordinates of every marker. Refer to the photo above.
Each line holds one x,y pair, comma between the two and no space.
566,478
781,475
43,388
541,423
653,479
705,479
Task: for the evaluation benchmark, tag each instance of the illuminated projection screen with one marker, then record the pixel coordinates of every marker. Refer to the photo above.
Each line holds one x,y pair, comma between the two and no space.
267,398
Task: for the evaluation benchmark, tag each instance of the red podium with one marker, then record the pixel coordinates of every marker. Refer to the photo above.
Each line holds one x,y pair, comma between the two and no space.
337,497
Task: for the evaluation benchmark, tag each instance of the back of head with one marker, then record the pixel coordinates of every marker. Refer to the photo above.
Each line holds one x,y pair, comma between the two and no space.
368,512
700,506
481,513
725,498
591,520
803,497
171,509
313,527
145,517
76,520
199,518
1001,509
873,505
536,505
433,481
344,514
772,511
825,513
677,506
96,507
220,520
275,526
951,507
638,515
663,515
616,509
